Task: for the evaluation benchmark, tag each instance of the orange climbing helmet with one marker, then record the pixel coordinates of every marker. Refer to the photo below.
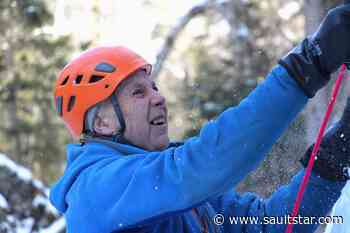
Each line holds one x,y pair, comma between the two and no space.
91,78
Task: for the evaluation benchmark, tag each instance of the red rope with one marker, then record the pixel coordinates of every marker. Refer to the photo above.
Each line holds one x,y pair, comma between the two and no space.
316,147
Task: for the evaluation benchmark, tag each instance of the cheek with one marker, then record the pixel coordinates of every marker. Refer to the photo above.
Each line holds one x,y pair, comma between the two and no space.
126,109
136,116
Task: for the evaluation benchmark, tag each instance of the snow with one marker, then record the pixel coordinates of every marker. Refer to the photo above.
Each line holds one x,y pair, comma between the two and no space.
26,226
21,226
39,200
289,9
341,208
22,172
3,202
25,175
56,227
44,201
12,223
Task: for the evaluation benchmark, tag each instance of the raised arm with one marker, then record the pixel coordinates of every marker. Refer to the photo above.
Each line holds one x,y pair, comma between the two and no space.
271,215
148,186
324,188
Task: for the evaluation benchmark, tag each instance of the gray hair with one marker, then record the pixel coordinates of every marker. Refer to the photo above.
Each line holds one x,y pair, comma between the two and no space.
90,118
92,114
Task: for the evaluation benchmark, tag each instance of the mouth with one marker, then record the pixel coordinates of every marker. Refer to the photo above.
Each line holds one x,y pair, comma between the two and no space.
159,121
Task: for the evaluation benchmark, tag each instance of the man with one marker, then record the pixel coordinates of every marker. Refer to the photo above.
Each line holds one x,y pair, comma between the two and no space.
127,177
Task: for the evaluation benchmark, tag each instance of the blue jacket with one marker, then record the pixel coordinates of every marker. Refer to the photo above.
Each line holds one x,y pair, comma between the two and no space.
110,187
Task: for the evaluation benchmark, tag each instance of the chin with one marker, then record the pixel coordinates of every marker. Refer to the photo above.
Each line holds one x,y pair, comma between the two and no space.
162,144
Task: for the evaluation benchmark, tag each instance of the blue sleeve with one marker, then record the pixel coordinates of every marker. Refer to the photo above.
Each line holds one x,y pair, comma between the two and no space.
319,197
225,151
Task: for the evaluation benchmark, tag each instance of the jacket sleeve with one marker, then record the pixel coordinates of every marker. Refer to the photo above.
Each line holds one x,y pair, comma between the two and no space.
151,185
271,215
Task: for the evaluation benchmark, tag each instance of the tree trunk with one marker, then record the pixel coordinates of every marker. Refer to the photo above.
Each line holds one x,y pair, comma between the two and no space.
12,102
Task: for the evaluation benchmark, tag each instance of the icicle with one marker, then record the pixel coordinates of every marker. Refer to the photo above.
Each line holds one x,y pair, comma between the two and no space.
341,208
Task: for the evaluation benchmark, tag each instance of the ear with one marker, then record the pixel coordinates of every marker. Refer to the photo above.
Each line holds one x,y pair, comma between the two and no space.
104,126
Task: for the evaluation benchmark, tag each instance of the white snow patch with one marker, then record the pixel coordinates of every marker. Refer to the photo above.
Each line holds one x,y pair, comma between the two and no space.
3,202
14,225
341,208
25,175
56,227
41,187
243,31
11,219
41,200
289,10
22,172
26,226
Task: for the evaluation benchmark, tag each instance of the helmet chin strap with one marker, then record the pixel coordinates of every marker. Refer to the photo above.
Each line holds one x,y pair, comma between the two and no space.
119,136
119,114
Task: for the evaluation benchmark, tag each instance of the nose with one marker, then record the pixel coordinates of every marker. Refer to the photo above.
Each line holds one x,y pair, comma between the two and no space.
157,99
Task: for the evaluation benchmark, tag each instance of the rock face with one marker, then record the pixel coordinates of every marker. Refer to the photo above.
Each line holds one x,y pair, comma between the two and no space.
24,205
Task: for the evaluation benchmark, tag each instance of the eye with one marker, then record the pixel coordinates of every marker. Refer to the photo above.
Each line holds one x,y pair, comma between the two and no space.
138,91
155,88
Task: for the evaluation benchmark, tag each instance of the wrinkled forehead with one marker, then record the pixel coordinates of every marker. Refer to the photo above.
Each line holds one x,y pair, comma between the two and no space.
139,77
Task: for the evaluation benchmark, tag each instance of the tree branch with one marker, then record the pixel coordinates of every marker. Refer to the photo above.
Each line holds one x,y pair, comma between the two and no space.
178,28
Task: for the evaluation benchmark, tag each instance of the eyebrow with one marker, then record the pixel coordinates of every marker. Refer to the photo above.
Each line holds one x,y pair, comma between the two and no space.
137,84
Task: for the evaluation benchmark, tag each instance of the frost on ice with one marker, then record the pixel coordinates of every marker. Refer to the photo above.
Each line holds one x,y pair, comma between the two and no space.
341,208
3,202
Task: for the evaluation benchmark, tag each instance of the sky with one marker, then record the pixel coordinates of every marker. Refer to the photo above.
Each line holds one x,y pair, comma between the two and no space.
128,23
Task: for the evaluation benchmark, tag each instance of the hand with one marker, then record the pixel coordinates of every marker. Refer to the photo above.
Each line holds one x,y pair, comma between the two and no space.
319,55
332,39
333,157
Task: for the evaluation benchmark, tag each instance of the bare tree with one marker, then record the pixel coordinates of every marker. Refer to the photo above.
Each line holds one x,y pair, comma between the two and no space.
171,37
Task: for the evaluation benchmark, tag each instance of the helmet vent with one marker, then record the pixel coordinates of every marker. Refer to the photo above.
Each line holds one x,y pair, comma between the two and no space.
59,101
65,81
95,78
78,79
105,67
71,103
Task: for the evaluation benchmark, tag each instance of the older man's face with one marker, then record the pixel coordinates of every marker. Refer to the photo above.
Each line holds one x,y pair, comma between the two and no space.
145,113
